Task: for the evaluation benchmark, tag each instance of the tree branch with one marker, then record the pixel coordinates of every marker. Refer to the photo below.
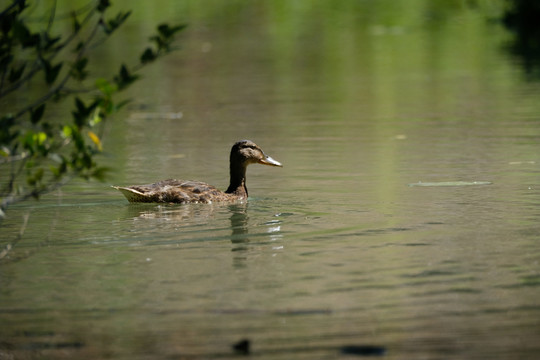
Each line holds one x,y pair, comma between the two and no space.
38,65
19,236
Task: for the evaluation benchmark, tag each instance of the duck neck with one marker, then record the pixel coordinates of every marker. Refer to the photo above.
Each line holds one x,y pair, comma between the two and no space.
237,185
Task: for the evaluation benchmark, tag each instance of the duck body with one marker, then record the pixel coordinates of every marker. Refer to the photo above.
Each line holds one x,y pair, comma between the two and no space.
243,153
176,191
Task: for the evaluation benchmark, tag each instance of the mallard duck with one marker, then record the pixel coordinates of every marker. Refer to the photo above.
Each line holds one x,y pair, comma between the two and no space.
243,153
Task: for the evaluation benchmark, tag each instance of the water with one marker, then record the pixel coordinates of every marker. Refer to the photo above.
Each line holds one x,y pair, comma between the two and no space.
333,251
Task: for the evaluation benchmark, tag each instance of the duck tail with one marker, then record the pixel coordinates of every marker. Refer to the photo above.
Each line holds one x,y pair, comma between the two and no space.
131,194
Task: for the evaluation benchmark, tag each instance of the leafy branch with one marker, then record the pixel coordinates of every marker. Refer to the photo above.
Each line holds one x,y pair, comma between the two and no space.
37,153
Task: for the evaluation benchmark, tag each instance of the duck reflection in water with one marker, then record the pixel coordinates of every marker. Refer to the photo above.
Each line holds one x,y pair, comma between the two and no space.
239,226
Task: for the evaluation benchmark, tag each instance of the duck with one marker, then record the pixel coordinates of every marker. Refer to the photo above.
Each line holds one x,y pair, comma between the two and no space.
243,153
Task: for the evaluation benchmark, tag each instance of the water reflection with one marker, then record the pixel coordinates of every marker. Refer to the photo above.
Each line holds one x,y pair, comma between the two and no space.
239,226
174,215
146,217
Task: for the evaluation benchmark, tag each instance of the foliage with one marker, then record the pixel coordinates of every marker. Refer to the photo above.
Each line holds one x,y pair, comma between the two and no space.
38,155
521,18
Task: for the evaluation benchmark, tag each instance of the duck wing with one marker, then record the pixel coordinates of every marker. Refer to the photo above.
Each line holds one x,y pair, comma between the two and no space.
174,191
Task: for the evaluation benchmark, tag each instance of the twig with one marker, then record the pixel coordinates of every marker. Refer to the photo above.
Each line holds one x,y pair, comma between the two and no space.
62,84
19,236
12,199
39,65
51,17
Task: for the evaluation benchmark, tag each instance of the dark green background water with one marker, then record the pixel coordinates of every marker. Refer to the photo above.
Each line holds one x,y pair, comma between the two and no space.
357,99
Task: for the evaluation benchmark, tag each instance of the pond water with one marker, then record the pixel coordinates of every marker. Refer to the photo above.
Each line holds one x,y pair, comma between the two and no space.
334,256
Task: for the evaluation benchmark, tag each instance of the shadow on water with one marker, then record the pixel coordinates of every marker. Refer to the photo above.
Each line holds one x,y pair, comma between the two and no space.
521,19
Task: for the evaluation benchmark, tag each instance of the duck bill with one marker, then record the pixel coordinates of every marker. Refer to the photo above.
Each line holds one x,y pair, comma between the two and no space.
267,160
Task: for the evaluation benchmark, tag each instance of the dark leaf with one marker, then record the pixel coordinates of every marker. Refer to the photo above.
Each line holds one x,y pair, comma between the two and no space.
113,24
78,71
103,4
5,60
124,78
22,34
86,161
7,22
48,128
160,42
37,113
51,72
79,47
105,27
48,42
81,114
80,105
8,134
178,28
75,22
165,36
22,5
79,120
166,31
148,56
61,169
16,72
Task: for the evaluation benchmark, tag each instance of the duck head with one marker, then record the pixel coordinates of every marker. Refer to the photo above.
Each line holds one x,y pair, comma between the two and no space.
246,152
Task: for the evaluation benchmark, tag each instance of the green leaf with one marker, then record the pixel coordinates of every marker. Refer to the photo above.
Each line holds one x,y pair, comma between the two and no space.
67,131
96,117
39,174
106,87
40,138
35,178
28,141
37,113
